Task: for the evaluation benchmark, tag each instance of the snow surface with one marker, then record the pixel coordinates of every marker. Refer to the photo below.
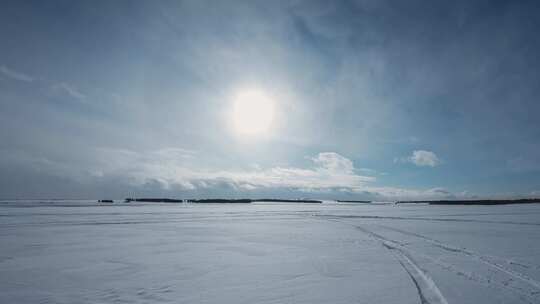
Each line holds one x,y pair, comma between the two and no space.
83,252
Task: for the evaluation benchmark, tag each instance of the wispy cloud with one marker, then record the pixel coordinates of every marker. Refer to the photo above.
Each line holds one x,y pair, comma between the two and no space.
421,158
524,163
68,89
16,75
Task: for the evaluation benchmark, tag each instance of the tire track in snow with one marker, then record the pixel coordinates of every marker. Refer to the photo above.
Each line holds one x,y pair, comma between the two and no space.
428,219
469,253
526,295
428,291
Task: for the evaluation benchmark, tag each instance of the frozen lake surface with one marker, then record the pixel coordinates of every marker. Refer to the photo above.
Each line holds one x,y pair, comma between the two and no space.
81,252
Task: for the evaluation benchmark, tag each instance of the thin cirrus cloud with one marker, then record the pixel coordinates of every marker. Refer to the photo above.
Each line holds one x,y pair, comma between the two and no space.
68,89
61,87
15,75
421,158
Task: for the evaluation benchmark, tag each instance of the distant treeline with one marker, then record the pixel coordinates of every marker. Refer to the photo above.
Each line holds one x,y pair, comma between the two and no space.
353,201
475,202
287,200
217,200
154,200
170,200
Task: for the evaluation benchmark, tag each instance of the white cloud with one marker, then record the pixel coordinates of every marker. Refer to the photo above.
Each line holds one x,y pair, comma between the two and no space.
330,176
69,90
421,158
15,75
369,171
333,162
177,167
395,193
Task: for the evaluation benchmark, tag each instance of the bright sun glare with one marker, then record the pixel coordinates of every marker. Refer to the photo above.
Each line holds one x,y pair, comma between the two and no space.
253,112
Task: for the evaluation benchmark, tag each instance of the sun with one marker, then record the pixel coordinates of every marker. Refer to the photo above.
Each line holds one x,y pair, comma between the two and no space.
253,112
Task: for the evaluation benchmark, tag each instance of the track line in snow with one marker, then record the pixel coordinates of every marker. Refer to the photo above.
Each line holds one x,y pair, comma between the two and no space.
463,251
428,291
429,219
525,294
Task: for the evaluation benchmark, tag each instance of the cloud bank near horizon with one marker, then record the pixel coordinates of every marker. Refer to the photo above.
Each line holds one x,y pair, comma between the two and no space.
176,171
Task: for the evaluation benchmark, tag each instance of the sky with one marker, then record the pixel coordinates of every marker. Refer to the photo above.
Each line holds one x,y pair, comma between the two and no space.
379,100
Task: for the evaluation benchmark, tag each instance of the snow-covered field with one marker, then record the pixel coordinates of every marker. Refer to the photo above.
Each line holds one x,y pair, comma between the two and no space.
80,252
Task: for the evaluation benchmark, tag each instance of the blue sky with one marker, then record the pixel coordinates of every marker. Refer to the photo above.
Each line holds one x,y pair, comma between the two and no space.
375,100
